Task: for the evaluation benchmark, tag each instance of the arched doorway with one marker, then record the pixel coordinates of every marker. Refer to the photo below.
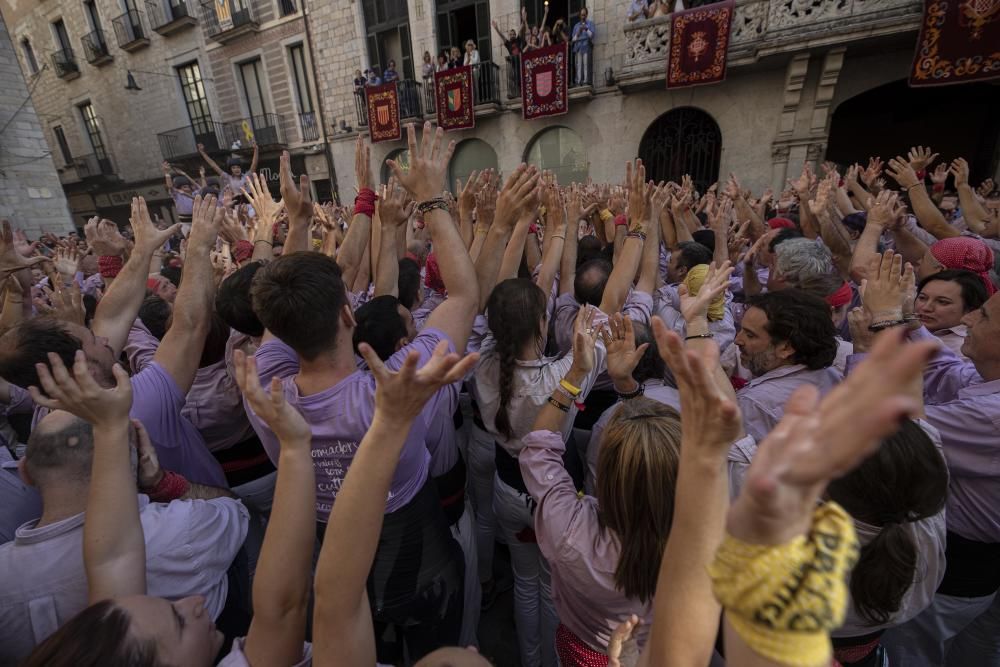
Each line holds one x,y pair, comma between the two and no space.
956,121
400,155
682,141
561,151
471,155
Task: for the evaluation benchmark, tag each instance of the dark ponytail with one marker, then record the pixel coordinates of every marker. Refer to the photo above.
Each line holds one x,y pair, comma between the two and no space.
905,481
514,312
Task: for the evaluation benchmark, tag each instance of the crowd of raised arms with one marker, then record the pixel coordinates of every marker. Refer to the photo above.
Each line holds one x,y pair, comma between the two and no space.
710,427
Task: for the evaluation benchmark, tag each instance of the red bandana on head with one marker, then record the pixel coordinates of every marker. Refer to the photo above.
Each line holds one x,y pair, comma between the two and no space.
965,252
432,275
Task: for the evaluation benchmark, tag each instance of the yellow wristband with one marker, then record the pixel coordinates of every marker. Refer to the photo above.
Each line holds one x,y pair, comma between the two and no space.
606,215
570,388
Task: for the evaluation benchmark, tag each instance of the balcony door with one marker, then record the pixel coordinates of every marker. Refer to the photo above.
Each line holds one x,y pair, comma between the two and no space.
196,105
62,37
252,87
93,128
459,21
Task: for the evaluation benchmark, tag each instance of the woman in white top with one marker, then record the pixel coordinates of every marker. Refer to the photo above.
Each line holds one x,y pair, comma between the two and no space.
471,53
944,298
513,381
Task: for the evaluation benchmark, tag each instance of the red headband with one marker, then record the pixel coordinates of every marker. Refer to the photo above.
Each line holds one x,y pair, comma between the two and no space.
841,296
780,223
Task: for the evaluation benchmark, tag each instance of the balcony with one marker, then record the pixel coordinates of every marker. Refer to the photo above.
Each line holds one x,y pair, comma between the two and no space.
767,27
412,100
228,20
131,33
171,18
95,48
222,137
64,64
89,170
309,126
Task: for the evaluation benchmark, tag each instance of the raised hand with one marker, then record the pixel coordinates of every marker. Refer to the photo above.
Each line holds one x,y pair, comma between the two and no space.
819,441
872,172
519,195
395,206
639,193
401,396
555,210
148,239
79,392
619,341
960,170
66,303
285,421
298,200
940,174
10,259
230,229
920,157
425,179
883,211
695,306
467,197
66,261
584,339
206,219
884,289
901,172
985,188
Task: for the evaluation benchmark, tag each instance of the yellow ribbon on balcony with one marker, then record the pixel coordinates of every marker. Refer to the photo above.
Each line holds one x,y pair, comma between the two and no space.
247,131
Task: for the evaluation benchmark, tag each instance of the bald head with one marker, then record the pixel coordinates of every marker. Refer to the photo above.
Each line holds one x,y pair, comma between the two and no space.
60,447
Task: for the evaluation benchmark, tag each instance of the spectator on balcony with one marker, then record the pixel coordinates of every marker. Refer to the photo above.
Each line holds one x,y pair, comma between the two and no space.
583,48
390,74
360,81
236,178
454,58
427,69
559,33
514,43
442,63
373,78
641,9
471,53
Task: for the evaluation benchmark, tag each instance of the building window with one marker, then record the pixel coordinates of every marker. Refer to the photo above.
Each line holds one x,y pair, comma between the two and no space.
62,37
195,99
461,20
303,94
29,55
64,150
561,151
567,10
252,87
91,124
287,7
90,9
682,141
471,155
387,24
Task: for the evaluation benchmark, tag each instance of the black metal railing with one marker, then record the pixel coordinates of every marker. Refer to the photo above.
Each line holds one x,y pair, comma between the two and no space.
265,129
129,29
64,64
410,92
361,106
309,126
486,83
95,47
184,141
221,17
430,96
89,166
160,16
513,71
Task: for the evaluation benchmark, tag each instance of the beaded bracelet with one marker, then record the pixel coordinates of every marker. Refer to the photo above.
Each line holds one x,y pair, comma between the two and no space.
879,326
554,402
636,235
639,391
438,203
695,336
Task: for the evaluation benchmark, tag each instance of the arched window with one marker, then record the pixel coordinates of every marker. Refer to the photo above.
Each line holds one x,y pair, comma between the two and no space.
470,155
400,155
682,141
561,151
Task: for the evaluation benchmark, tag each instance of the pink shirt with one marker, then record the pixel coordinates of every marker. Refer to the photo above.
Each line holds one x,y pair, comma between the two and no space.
189,546
340,416
582,557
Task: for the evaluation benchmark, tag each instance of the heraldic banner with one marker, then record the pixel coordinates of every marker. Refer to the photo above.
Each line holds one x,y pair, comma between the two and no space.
699,43
959,42
453,96
543,81
383,112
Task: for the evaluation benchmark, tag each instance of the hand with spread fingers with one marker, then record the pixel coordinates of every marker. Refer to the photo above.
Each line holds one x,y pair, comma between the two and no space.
425,179
883,291
298,200
696,306
920,157
518,196
623,355
10,259
148,239
284,420
395,206
77,391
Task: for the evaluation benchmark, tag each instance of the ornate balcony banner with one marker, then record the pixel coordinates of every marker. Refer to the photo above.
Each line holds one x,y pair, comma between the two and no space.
383,112
959,42
543,73
699,43
453,97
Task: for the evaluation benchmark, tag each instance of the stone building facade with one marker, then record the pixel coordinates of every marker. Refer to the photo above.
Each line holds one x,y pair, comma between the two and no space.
792,64
31,196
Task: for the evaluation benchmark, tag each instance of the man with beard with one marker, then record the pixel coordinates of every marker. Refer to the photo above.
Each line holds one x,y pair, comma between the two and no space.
787,339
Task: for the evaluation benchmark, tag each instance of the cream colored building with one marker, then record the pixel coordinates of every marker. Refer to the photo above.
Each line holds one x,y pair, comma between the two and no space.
807,80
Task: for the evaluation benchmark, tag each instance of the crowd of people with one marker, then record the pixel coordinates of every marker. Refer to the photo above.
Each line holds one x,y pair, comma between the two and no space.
280,433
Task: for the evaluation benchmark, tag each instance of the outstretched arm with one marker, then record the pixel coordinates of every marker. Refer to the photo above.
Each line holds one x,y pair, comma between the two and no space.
927,213
627,263
359,233
211,163
253,160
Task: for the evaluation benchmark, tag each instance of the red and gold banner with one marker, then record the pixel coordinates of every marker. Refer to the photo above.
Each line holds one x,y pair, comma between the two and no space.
453,97
383,112
699,43
544,83
959,42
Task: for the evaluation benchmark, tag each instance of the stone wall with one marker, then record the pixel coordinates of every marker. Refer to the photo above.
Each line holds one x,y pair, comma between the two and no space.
31,196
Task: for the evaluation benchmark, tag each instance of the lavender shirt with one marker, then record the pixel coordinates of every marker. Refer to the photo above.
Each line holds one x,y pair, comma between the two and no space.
340,417
763,399
582,557
667,306
237,658
965,409
189,546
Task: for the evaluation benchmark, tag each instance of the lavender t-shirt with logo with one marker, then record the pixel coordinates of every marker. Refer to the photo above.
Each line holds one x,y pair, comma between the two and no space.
340,416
